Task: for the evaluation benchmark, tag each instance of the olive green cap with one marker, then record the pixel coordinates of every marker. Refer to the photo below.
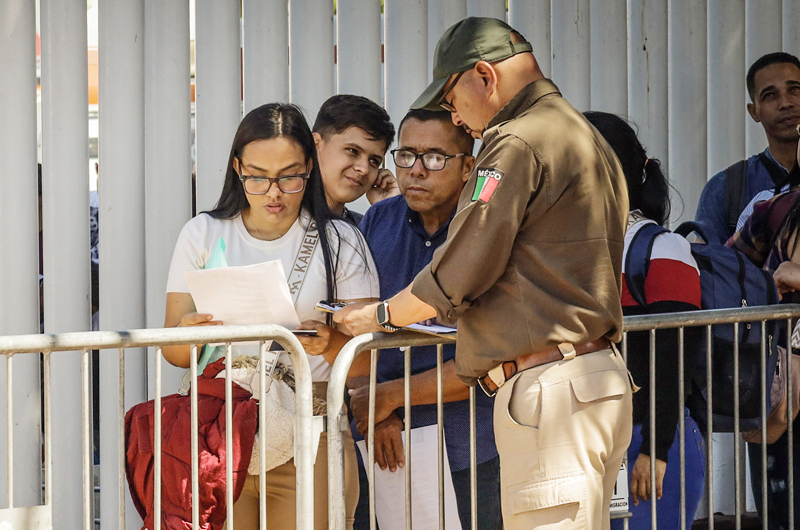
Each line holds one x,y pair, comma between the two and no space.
461,47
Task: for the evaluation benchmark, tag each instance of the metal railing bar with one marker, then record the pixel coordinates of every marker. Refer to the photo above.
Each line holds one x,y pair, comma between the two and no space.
737,471
790,426
121,439
142,338
652,396
229,435
407,428
682,424
86,435
10,430
48,432
262,438
195,442
473,462
157,444
709,429
440,429
373,378
707,317
764,391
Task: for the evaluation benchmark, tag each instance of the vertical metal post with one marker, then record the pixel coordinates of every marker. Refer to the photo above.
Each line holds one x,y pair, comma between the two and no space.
473,463
608,42
229,435
218,93
48,431
682,423
122,211
122,498
359,48
19,269
571,64
311,54
157,479
532,19
9,431
652,397
262,435
790,428
65,219
195,443
86,439
687,100
709,430
764,393
265,33
737,471
373,380
440,430
407,426
647,73
168,149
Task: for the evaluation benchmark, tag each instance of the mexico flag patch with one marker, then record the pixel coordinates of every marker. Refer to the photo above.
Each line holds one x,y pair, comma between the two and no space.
488,179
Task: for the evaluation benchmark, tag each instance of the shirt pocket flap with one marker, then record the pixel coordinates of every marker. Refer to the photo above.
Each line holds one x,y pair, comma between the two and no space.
546,493
599,385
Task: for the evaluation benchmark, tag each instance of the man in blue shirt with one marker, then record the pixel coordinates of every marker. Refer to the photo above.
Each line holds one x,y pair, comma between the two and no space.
773,82
433,162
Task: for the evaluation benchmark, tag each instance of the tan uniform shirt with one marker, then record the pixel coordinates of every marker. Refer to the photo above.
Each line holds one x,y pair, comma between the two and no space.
533,257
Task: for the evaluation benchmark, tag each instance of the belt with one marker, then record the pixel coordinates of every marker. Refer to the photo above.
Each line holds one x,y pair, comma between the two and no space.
501,373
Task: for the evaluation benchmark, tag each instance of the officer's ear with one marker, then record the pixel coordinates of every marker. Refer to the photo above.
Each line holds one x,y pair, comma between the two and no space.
487,76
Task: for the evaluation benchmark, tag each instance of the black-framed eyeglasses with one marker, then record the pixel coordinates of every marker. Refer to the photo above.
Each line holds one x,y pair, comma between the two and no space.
448,105
431,161
256,185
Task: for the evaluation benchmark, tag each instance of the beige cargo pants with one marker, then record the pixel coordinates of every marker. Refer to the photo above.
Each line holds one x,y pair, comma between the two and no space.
562,430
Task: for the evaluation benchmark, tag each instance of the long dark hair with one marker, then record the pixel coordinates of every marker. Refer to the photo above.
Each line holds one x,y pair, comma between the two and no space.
648,189
281,120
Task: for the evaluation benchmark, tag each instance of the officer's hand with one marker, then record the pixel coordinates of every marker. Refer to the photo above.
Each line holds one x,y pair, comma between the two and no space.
640,478
389,444
359,318
385,186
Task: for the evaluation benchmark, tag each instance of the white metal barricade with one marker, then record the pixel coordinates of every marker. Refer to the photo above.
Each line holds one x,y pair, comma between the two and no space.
42,516
650,323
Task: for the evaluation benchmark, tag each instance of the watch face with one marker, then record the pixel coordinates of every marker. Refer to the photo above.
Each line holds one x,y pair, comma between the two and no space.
381,314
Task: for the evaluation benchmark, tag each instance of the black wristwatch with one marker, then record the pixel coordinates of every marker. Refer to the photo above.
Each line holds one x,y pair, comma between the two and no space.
382,313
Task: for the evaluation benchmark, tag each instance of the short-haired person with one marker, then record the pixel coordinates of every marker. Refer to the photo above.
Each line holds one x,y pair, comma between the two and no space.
531,270
352,134
773,83
271,203
433,160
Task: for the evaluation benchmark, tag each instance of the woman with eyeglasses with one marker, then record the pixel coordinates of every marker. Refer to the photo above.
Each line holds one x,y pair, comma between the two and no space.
272,196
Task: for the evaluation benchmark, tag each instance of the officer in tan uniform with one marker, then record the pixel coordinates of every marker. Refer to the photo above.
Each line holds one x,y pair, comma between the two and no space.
531,271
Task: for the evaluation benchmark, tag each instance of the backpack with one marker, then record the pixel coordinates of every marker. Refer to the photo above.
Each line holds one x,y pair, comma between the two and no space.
727,280
735,177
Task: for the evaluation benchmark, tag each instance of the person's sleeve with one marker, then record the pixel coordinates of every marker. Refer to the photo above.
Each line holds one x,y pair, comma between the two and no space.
491,209
356,273
754,239
672,285
190,254
711,212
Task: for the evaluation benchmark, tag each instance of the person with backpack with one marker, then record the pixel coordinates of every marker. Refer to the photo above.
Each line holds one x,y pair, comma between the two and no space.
773,83
769,238
672,284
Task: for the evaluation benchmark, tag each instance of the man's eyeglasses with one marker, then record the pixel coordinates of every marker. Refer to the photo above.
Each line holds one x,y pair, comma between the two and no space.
448,105
261,185
430,161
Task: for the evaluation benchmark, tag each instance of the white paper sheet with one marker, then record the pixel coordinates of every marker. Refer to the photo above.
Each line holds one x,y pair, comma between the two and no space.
254,294
390,488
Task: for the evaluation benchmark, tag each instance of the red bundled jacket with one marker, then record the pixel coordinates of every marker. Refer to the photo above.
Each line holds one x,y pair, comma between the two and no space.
176,468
